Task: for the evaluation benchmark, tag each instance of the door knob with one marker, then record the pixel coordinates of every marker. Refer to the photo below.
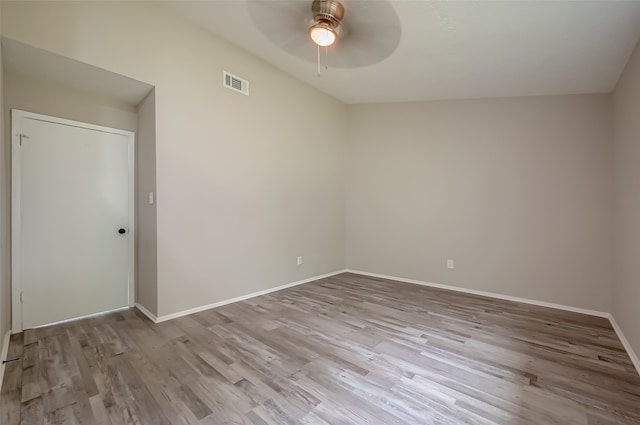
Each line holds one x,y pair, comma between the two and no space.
122,231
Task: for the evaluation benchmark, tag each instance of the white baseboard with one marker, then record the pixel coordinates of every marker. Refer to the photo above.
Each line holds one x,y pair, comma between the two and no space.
487,294
147,313
625,343
3,355
158,319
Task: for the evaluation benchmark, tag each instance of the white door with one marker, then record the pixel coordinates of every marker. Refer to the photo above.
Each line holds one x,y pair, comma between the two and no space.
73,219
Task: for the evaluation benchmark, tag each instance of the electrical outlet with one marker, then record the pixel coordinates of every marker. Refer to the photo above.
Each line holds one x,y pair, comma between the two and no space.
449,264
299,260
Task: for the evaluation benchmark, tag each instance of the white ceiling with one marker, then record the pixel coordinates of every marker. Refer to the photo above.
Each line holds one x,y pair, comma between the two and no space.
458,49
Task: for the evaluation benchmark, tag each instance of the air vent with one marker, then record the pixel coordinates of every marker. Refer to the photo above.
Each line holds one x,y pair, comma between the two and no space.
236,83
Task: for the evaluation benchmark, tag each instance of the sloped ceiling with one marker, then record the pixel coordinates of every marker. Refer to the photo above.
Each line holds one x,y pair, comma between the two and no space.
457,49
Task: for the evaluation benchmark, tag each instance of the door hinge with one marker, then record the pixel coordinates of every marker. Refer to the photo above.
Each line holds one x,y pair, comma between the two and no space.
22,137
21,296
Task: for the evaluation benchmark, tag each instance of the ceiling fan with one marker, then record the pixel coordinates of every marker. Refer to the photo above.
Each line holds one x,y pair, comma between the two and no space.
352,33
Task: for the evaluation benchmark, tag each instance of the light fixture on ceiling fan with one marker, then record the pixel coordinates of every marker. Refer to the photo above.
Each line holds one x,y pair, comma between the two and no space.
326,27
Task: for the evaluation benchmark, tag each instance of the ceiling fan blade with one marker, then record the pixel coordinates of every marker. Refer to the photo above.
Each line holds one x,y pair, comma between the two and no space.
367,45
279,21
301,47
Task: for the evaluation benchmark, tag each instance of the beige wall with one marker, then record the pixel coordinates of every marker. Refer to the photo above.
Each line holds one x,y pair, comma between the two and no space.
244,184
516,191
146,240
5,210
626,291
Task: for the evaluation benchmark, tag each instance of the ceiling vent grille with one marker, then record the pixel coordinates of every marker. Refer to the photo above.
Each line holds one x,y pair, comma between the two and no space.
238,84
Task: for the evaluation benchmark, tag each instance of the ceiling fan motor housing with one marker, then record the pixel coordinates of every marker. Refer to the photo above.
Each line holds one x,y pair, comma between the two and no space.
328,12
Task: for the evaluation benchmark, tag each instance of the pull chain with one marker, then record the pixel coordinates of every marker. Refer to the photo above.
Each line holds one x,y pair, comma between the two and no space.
326,58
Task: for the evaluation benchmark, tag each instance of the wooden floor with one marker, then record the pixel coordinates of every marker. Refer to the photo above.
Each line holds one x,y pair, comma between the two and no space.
343,350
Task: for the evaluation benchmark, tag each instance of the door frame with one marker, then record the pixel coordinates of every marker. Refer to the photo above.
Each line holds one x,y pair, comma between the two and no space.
16,203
